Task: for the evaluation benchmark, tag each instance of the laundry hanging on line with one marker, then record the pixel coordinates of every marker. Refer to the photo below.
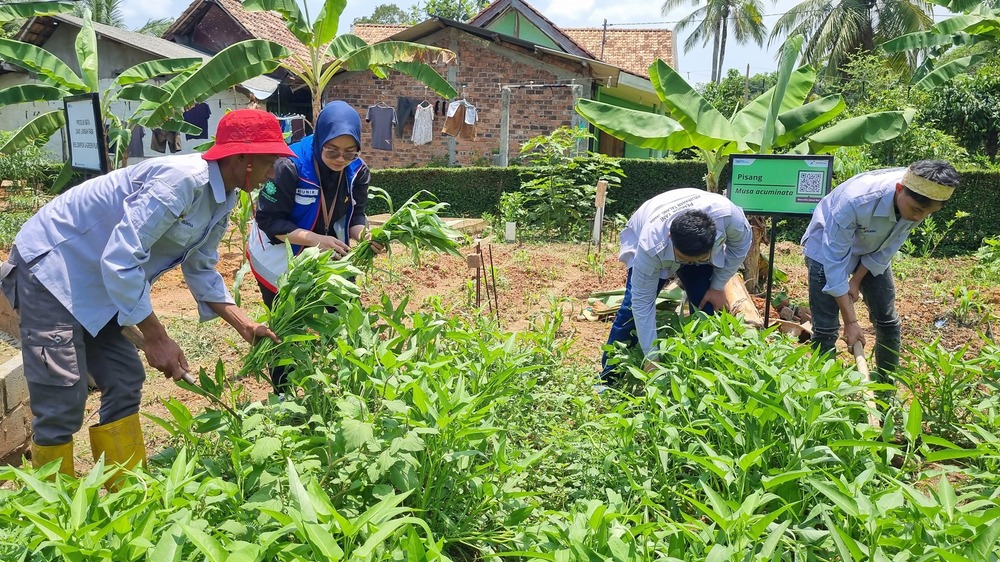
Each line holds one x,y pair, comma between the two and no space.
460,120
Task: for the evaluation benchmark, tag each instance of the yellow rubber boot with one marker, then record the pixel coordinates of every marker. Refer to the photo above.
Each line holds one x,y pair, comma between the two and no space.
120,442
42,455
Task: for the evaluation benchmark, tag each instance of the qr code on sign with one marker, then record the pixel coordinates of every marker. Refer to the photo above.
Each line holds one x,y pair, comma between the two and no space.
811,183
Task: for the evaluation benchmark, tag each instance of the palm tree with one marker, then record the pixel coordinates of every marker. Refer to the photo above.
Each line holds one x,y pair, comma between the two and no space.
715,21
836,29
108,12
155,27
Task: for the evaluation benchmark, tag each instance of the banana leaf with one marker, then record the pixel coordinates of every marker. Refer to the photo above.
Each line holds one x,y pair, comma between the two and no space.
30,93
155,68
42,126
975,24
751,117
344,45
428,76
638,128
786,66
866,129
17,10
947,71
86,54
389,52
917,40
326,24
47,66
707,128
807,118
289,11
143,92
231,66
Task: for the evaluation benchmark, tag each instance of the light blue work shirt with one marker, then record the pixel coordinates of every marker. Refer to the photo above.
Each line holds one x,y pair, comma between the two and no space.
104,242
648,251
856,223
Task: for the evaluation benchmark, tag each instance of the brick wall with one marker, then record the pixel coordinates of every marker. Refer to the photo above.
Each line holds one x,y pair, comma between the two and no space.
482,67
15,414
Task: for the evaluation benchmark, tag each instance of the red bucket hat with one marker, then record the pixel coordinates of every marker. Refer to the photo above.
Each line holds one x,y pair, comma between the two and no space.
248,131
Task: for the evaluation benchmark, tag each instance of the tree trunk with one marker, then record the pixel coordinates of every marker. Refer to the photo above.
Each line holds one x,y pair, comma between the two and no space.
722,43
715,56
754,265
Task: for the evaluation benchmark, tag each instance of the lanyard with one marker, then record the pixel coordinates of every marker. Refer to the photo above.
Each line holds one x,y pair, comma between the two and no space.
328,210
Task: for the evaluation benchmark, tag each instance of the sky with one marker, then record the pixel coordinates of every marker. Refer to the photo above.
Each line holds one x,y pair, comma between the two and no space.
695,65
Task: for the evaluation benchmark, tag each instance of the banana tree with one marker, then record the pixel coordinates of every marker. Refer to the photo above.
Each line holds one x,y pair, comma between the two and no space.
777,120
981,23
190,80
329,54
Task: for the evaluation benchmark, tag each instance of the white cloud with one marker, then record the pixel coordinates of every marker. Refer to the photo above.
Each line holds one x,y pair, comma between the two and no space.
138,12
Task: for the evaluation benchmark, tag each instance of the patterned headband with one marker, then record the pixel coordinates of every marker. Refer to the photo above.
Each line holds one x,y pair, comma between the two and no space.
926,187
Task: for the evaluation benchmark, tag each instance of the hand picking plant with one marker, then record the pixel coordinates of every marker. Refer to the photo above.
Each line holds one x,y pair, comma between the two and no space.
415,224
313,283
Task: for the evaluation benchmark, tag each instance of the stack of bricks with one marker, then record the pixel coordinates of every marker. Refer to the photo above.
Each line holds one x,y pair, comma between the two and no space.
15,414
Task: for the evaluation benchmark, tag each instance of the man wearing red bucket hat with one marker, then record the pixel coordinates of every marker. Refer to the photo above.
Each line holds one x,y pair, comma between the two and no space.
81,269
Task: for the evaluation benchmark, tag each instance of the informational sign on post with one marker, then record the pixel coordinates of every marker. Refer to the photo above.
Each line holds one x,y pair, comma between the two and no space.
771,184
87,145
778,185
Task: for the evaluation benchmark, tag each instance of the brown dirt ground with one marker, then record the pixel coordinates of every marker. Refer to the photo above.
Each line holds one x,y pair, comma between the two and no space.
528,276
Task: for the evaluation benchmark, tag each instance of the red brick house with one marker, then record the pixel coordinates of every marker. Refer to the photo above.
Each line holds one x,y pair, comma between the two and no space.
519,70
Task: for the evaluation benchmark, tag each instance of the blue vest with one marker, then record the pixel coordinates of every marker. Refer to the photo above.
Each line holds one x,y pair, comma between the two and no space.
306,210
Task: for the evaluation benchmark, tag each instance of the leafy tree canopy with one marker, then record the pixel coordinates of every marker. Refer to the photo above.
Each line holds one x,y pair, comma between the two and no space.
390,14
735,91
458,10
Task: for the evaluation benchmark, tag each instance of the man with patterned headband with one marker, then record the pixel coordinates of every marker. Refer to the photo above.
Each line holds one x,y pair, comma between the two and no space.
853,235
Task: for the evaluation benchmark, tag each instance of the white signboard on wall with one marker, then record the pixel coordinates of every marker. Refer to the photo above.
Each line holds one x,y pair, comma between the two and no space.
87,145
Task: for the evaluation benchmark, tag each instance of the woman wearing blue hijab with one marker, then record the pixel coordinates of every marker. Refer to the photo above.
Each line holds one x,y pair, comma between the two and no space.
316,199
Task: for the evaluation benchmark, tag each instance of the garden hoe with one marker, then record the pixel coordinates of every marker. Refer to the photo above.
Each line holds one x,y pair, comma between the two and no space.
133,335
862,364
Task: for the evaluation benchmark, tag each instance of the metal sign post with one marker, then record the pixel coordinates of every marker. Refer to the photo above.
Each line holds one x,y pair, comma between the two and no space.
774,185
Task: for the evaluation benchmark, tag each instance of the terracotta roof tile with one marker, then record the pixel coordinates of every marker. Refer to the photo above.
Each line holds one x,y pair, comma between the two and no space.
375,32
265,25
632,50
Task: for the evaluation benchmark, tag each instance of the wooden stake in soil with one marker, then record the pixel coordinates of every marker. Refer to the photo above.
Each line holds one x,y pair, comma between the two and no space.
493,276
862,364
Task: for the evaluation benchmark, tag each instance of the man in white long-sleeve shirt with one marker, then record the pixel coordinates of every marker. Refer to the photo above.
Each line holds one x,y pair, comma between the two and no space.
849,244
82,268
700,237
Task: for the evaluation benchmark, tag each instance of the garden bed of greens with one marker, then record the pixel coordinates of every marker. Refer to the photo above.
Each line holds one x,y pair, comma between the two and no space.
429,435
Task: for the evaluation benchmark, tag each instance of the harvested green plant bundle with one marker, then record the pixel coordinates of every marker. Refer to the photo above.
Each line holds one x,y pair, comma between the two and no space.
415,224
314,281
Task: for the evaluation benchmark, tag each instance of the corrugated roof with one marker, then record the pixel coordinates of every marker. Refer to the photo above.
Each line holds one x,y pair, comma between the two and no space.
37,31
631,50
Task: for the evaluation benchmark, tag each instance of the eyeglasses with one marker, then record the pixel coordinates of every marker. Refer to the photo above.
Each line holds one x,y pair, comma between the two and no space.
334,153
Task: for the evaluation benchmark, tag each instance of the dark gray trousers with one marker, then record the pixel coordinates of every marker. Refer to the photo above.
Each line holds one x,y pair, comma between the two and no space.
58,352
880,297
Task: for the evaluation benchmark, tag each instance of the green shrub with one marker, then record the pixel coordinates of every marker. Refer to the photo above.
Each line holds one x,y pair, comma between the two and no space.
29,168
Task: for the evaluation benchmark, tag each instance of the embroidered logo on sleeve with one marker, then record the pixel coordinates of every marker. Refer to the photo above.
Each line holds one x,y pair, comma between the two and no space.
269,190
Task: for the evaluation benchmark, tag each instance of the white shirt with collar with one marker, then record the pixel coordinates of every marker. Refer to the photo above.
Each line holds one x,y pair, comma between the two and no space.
856,223
649,253
102,244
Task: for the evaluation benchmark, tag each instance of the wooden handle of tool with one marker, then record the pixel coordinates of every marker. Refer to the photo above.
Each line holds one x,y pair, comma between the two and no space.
859,359
133,335
862,364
